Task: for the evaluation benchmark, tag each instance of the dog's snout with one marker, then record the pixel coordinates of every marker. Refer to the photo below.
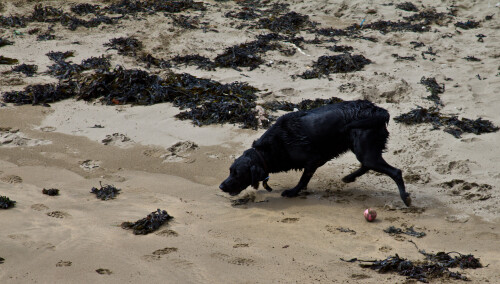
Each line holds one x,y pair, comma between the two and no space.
222,186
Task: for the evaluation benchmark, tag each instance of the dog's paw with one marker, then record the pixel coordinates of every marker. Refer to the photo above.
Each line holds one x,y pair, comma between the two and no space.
407,200
348,179
289,193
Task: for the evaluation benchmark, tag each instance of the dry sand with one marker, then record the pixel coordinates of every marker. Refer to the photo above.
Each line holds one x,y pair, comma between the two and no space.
65,239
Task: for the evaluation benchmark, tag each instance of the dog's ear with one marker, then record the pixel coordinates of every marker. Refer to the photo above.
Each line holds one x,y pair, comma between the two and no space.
258,174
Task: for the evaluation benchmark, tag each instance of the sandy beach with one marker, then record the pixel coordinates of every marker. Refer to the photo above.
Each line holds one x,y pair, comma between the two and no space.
162,162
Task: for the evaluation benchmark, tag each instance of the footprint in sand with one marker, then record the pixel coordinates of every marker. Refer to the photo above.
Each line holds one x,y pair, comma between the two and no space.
117,139
233,260
12,179
63,263
179,152
90,165
290,220
58,214
157,254
48,129
104,271
240,246
167,233
39,207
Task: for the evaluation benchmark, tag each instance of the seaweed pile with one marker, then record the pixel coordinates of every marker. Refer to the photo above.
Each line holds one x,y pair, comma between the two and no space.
306,104
201,61
409,231
105,192
40,94
341,63
149,224
290,23
6,203
51,191
433,267
125,45
407,6
152,6
246,54
7,60
452,124
27,69
435,89
4,42
467,25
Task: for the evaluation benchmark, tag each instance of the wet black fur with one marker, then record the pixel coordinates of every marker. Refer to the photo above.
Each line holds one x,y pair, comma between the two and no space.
308,139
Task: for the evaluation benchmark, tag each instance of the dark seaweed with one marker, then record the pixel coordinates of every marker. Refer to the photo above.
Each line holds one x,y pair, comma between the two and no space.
407,6
98,63
6,203
84,9
290,23
342,63
185,22
433,87
452,124
389,26
417,44
157,62
409,231
428,17
398,57
340,48
51,191
246,54
7,60
151,6
480,37
246,14
467,25
27,69
303,105
201,61
125,45
40,94
13,21
105,192
4,42
147,225
472,58
48,35
2,260
59,55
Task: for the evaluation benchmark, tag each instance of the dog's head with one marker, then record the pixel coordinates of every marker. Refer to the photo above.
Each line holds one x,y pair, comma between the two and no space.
243,172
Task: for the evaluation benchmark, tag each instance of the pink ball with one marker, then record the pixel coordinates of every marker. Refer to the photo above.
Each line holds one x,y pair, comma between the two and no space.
370,214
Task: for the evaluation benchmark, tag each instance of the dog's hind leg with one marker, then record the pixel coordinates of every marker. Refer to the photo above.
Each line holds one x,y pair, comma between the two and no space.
304,180
352,177
367,146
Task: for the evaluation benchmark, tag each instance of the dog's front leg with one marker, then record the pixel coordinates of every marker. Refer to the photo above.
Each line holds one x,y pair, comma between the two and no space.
304,180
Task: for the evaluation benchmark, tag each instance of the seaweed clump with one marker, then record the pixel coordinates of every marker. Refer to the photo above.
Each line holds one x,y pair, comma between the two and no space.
290,23
40,94
105,192
201,61
407,6
452,124
467,25
342,63
149,224
246,54
27,69
409,231
6,203
4,42
7,60
125,45
435,89
306,104
51,191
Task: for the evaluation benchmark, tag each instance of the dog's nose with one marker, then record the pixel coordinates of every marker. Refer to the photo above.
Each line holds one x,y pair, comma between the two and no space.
221,186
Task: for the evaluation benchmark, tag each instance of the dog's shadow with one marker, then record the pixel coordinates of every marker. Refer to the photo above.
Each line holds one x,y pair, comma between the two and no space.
354,196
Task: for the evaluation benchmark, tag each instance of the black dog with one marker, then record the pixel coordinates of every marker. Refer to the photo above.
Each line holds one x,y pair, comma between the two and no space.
308,139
